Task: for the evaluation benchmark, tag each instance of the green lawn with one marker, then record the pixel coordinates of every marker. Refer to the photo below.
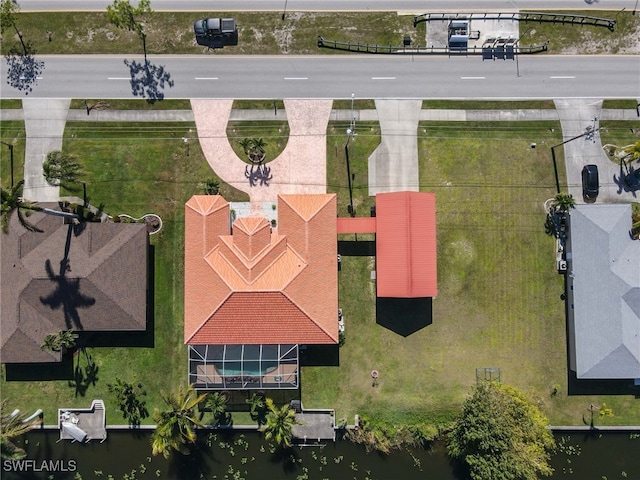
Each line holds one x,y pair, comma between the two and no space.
134,169
499,294
488,105
264,33
275,135
12,133
131,104
361,145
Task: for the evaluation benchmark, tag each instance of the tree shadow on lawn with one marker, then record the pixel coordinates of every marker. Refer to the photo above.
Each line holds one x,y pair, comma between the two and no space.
148,80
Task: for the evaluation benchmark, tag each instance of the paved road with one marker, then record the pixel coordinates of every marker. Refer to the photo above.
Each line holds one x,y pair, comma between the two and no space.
211,76
417,6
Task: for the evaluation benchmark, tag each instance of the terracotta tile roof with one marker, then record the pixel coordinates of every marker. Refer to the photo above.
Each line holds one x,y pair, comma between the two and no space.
103,285
406,257
258,286
356,224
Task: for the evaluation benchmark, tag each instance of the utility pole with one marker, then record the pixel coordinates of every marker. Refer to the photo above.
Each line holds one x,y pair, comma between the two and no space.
589,133
350,133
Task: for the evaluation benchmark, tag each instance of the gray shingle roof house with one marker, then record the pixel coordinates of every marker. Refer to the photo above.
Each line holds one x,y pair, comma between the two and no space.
603,293
88,277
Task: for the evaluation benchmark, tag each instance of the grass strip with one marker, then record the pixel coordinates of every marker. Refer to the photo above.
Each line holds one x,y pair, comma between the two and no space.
266,33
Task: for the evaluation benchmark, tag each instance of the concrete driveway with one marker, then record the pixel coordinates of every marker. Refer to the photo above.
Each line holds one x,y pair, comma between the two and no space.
576,115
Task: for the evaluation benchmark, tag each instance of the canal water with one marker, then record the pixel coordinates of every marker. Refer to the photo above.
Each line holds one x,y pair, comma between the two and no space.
127,455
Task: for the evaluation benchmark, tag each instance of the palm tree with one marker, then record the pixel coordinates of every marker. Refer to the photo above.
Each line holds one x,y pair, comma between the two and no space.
61,169
628,153
246,144
12,201
13,425
563,202
217,404
632,152
258,407
56,342
176,425
257,150
280,422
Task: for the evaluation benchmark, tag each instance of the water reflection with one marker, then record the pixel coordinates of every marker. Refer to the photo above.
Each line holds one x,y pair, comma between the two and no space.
247,456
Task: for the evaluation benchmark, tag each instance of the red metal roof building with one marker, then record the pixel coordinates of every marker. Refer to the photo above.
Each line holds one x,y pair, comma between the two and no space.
406,257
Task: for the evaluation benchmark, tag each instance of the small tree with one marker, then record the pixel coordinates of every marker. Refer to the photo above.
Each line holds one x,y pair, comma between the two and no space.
12,200
8,11
257,407
176,425
61,341
211,187
258,146
216,402
279,424
123,15
61,169
23,69
500,434
130,400
12,426
563,202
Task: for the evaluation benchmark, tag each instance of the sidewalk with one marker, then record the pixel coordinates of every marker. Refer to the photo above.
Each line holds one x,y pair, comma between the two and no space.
301,168
368,115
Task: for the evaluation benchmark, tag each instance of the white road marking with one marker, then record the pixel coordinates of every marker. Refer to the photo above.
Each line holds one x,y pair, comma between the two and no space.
206,78
383,78
562,76
472,78
25,78
296,78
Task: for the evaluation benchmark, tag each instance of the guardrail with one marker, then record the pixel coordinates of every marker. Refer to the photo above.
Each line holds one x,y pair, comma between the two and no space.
418,50
539,17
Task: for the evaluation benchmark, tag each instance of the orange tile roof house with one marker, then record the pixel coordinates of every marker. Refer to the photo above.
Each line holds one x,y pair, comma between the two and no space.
86,277
253,293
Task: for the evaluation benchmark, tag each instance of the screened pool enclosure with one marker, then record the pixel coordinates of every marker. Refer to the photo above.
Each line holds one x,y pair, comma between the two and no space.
238,367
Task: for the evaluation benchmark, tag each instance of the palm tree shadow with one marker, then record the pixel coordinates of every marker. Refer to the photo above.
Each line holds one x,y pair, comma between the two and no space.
621,182
67,293
148,80
84,377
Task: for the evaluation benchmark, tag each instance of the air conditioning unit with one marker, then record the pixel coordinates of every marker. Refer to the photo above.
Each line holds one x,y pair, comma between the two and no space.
562,266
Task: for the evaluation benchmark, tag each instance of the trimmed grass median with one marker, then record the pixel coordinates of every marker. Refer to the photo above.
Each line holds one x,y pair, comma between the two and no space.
266,33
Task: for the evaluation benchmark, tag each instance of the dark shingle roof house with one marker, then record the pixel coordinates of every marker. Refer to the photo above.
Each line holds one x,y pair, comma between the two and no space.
603,293
84,277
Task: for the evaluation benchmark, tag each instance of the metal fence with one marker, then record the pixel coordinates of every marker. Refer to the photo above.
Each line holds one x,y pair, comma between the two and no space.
418,50
539,17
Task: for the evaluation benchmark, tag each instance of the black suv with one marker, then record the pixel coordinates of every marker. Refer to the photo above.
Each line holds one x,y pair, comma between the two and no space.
590,182
216,32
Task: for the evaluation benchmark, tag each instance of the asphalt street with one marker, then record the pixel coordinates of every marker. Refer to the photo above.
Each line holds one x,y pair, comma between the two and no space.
211,76
416,6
